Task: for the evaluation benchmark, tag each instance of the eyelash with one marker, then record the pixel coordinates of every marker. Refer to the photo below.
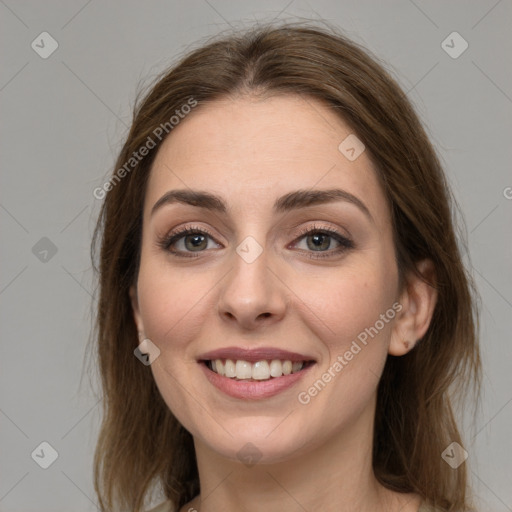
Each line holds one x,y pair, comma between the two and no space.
345,243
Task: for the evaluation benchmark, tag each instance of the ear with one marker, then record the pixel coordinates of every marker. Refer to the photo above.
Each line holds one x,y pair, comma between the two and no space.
418,301
135,307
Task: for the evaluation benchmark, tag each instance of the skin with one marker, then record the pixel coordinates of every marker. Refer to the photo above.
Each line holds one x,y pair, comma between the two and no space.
251,151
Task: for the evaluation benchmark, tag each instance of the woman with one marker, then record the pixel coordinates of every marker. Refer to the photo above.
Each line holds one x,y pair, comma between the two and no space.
283,307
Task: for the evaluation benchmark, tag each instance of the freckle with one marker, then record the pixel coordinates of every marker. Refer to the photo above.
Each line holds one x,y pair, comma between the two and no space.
407,344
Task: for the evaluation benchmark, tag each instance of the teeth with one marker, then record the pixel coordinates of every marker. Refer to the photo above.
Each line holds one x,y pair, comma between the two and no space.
260,370
297,366
243,370
219,367
287,367
276,368
229,368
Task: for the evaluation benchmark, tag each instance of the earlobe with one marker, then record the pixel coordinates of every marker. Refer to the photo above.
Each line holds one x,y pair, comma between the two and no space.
418,303
135,308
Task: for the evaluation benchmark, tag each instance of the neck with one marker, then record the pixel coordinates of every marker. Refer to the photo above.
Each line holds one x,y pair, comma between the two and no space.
336,475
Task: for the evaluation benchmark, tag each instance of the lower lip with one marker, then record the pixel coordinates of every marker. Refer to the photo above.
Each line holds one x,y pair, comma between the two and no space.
253,389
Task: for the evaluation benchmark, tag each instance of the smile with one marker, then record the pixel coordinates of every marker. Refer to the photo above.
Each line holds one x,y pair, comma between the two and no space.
260,370
254,374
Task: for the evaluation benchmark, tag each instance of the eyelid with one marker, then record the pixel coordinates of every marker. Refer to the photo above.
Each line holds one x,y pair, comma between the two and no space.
178,233
326,229
345,242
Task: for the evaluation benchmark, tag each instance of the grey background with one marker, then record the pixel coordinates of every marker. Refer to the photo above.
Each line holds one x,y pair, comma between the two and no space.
64,119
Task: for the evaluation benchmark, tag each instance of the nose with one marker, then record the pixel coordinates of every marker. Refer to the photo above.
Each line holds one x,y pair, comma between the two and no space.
252,296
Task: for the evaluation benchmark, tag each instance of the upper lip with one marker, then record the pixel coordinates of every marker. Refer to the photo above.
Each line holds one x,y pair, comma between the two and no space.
254,355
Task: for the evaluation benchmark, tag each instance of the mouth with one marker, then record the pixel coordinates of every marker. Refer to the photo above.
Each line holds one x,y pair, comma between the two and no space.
253,374
239,369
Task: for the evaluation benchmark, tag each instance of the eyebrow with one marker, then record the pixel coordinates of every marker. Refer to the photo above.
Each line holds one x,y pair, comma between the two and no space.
291,201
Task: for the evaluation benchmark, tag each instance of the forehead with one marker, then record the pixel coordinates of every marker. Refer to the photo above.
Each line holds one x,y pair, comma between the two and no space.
252,150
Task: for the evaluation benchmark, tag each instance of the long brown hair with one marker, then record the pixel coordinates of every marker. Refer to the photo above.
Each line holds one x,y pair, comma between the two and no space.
141,444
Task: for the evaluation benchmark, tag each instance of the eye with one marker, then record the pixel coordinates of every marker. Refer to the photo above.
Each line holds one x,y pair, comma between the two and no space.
187,240
320,240
192,239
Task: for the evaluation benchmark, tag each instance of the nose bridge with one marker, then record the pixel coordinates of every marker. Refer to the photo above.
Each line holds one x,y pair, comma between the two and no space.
251,291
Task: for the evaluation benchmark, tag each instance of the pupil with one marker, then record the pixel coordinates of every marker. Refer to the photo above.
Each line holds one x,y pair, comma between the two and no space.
318,239
196,240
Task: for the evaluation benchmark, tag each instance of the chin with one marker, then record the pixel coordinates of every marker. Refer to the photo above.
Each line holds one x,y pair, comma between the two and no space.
258,441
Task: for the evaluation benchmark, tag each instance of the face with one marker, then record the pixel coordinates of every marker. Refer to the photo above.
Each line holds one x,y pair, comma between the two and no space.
265,282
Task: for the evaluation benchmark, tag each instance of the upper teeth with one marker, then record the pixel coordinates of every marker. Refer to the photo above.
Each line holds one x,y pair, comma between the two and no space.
261,370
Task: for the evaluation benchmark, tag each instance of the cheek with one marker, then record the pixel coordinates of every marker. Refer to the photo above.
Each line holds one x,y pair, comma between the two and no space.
172,306
356,319
348,302
170,303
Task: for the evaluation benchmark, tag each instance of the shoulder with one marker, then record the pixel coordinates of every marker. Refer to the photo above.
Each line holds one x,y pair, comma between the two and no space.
165,506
